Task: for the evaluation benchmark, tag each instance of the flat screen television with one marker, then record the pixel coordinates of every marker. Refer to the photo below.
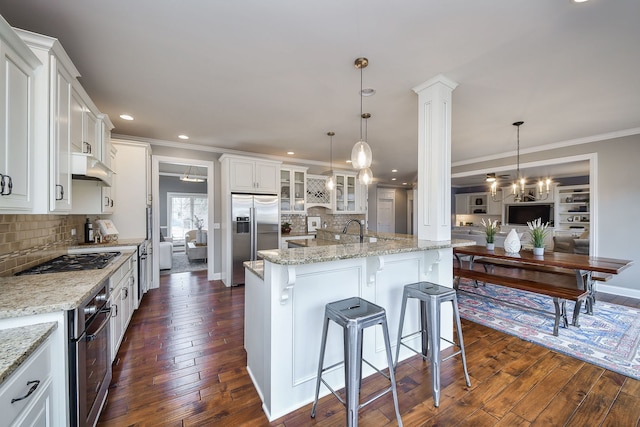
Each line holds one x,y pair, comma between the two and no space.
521,214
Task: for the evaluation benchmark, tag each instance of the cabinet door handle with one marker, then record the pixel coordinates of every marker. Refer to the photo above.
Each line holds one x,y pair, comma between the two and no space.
2,184
34,385
5,182
114,313
106,201
87,147
111,202
61,192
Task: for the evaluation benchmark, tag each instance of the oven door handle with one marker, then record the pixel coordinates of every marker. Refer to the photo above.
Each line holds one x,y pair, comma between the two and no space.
93,336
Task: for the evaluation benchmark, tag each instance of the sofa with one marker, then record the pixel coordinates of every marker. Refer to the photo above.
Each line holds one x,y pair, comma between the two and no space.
165,253
571,244
480,236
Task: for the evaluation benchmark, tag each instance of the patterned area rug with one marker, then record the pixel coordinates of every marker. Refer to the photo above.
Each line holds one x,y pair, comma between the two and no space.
609,339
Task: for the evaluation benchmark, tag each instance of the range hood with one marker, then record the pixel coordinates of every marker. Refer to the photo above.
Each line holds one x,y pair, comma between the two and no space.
85,166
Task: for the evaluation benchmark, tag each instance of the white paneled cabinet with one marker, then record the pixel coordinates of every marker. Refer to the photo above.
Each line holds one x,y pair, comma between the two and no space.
132,183
17,74
121,288
249,175
31,384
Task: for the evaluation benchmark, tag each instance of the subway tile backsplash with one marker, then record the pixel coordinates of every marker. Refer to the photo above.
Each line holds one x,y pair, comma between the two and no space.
28,240
299,221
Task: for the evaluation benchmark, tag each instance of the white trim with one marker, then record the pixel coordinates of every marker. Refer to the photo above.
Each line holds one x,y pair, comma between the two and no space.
155,191
552,146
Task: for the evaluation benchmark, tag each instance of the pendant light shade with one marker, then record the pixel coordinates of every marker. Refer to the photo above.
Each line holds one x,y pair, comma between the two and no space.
330,182
365,176
361,155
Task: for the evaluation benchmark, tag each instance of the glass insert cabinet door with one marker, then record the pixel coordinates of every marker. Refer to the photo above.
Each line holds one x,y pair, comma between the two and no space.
340,191
292,190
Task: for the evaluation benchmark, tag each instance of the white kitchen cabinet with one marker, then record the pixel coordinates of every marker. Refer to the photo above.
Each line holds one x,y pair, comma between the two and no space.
293,189
52,123
348,195
249,175
17,75
86,131
32,384
121,284
132,183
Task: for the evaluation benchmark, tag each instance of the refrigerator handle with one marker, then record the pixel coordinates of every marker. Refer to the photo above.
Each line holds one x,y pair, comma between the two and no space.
254,238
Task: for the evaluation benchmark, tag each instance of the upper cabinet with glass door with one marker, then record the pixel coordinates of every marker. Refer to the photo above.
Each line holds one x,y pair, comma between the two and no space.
293,189
348,194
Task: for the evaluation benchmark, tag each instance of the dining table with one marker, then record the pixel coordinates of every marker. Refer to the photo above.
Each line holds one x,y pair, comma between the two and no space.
583,266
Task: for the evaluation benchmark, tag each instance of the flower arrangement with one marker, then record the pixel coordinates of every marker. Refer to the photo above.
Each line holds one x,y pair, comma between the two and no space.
490,228
285,227
198,222
538,231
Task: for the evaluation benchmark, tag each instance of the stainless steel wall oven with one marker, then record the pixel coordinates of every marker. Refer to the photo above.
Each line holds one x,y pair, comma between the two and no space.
89,357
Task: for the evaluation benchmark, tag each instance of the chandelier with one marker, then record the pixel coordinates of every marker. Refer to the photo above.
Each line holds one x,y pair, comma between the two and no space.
519,186
361,153
188,177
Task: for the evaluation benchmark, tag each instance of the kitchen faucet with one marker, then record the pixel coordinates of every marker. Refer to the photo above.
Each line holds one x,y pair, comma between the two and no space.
360,223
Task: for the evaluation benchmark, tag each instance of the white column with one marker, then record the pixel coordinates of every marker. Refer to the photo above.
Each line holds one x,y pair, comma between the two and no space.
434,158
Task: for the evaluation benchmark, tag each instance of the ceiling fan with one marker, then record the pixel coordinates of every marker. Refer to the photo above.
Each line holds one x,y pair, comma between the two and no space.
491,177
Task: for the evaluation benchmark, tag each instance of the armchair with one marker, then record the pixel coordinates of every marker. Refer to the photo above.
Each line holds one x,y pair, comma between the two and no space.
195,251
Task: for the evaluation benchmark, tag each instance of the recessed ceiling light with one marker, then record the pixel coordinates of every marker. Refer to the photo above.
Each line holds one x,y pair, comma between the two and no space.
126,117
348,161
404,183
291,153
394,170
580,1
368,91
183,137
393,179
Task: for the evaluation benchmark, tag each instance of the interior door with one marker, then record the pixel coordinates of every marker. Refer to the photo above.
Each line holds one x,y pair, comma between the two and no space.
386,217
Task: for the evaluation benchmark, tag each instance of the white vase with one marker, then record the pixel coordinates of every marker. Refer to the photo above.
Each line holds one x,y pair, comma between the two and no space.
538,251
512,242
491,246
201,237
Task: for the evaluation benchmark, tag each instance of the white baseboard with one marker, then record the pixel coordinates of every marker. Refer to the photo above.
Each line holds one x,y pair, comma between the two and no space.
617,290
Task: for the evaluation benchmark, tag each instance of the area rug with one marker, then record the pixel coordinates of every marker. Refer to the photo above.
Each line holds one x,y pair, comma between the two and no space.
609,338
181,264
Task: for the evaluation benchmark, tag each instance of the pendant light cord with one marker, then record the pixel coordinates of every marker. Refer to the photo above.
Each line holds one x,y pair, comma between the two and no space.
361,103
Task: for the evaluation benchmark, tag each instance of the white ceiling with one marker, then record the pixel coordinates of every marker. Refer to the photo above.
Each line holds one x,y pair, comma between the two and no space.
272,76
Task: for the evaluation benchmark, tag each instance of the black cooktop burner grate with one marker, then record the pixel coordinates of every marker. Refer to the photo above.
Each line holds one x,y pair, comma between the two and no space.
73,262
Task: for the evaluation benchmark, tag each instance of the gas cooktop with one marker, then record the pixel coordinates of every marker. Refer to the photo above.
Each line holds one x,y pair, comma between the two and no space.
72,262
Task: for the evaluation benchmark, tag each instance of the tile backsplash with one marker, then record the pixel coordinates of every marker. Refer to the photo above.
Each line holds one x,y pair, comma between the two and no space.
299,221
28,240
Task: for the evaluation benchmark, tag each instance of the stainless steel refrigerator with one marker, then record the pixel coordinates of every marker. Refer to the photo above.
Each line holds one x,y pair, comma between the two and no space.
254,227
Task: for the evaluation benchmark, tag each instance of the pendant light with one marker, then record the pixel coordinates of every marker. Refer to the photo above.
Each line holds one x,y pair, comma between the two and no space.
365,176
330,183
361,152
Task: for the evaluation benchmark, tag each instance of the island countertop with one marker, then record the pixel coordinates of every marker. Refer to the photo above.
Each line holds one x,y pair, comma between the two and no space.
323,251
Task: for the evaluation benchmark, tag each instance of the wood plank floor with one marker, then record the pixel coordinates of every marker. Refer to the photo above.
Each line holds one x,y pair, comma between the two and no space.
182,363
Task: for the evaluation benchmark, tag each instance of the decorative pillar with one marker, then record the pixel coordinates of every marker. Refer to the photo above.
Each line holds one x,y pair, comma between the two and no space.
434,158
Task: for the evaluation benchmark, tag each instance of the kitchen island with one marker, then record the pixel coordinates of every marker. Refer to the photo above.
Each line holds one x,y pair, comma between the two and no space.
285,296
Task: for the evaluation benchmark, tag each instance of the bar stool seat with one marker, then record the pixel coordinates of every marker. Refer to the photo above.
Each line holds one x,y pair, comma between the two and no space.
431,296
354,315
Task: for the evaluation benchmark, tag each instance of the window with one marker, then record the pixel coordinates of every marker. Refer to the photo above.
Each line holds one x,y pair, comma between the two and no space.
183,209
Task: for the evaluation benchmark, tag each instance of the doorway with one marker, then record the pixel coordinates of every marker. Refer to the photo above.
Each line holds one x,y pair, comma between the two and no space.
183,206
386,211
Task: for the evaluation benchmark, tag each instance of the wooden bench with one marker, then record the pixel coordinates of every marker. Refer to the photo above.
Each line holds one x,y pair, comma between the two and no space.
586,278
522,279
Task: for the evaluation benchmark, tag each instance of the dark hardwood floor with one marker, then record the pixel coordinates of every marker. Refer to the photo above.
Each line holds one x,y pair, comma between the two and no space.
182,363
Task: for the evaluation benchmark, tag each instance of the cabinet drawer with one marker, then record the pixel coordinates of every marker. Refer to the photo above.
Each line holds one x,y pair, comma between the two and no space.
35,368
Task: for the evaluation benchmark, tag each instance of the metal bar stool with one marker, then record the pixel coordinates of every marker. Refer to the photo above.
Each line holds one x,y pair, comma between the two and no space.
431,296
354,315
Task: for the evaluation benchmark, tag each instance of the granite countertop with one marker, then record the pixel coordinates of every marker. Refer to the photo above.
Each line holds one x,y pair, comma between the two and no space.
256,267
19,343
52,292
334,250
